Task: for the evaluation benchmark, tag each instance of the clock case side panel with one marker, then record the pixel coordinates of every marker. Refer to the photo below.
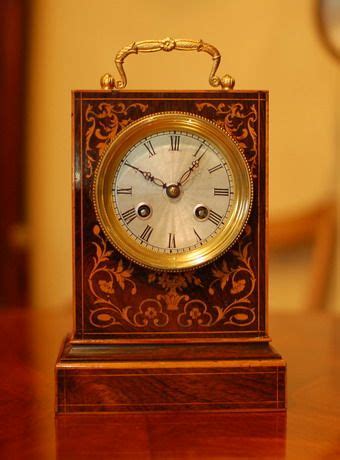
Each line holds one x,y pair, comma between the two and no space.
263,213
77,206
117,110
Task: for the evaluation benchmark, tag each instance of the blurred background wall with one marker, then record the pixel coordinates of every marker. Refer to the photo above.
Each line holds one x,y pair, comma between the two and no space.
265,44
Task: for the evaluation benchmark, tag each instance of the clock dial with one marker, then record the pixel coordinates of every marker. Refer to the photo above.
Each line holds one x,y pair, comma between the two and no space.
171,187
173,191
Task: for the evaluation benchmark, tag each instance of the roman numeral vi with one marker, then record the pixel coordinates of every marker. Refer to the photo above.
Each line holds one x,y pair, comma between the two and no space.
172,241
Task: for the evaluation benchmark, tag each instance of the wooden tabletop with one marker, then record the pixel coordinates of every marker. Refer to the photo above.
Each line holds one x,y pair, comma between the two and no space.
30,341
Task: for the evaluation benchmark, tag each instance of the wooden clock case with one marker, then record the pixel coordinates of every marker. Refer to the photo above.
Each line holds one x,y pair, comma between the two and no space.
148,341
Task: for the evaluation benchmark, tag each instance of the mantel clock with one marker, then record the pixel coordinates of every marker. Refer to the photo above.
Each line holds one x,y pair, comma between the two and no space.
170,268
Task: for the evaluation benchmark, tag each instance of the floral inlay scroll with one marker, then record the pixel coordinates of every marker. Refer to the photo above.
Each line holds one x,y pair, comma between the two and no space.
240,121
195,312
237,282
104,275
103,123
103,281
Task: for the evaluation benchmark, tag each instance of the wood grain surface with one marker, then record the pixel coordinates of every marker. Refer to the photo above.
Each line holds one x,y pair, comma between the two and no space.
118,301
226,299
30,340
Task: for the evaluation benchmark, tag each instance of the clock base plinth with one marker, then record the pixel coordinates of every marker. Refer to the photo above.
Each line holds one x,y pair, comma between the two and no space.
169,377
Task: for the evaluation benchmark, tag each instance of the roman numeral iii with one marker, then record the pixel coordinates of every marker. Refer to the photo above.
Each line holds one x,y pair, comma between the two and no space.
221,191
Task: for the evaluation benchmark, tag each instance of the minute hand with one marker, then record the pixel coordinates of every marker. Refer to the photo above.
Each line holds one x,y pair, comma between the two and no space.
194,165
148,176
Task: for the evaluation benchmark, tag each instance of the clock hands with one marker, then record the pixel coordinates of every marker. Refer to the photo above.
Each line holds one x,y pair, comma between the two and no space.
183,179
148,176
194,165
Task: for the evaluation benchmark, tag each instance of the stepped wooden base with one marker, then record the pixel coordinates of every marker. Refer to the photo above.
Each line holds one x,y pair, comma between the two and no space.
190,377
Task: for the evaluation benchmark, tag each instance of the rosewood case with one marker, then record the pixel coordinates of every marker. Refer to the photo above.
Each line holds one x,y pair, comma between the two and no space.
155,341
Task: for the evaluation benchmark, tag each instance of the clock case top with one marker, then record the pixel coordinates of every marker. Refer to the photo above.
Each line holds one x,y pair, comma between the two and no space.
118,301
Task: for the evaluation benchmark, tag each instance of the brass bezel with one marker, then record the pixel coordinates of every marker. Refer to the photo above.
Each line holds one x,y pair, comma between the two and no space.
110,161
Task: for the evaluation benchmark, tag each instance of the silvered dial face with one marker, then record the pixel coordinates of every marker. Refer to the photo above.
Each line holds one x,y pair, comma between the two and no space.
173,191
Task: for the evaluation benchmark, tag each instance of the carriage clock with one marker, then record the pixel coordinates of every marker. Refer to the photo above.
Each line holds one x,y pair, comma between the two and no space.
169,249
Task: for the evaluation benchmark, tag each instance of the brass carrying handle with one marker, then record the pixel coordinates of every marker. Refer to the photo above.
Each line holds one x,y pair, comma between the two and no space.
108,82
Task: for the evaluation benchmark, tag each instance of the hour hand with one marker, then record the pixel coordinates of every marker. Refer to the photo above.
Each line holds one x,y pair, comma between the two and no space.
148,176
